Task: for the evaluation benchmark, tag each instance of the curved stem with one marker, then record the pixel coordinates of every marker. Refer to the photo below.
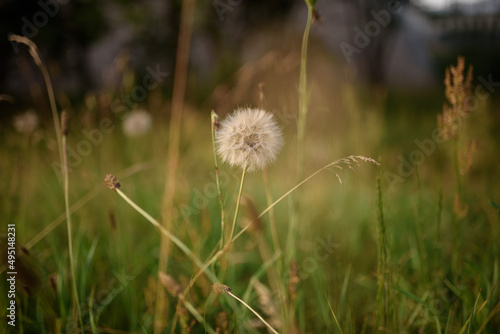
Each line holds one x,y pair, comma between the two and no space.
169,235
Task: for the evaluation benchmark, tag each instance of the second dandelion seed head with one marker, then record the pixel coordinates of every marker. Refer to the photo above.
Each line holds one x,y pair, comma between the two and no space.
249,137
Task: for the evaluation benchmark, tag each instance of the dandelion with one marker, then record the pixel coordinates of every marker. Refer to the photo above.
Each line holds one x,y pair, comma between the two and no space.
137,124
249,138
26,122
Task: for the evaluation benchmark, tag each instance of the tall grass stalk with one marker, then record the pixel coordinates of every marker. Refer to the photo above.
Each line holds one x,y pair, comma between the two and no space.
437,248
382,269
301,128
456,218
215,125
59,129
303,93
420,227
64,131
35,54
272,219
179,88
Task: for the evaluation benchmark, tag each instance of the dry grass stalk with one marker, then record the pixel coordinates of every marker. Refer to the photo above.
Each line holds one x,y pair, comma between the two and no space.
466,157
179,88
458,91
35,54
64,123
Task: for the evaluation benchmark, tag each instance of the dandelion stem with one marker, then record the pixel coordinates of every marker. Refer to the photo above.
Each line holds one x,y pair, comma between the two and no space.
68,224
238,202
253,311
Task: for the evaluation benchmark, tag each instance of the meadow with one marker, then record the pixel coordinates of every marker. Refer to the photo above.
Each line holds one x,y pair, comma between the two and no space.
396,228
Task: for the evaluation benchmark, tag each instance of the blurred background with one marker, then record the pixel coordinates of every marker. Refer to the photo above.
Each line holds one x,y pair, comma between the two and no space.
376,77
395,47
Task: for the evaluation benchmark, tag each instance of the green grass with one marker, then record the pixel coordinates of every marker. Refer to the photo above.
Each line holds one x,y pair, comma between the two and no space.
369,256
116,266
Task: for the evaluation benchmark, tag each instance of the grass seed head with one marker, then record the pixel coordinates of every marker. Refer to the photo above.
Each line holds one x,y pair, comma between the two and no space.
220,289
458,92
112,182
249,137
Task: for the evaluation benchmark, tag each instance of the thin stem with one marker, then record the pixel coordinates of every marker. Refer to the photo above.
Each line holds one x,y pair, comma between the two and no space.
382,270
457,166
253,311
272,220
35,54
303,94
238,202
215,120
301,128
288,193
68,224
169,235
188,9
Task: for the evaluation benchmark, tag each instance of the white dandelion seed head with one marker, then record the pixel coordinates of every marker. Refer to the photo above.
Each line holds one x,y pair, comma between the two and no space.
137,124
26,122
249,137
